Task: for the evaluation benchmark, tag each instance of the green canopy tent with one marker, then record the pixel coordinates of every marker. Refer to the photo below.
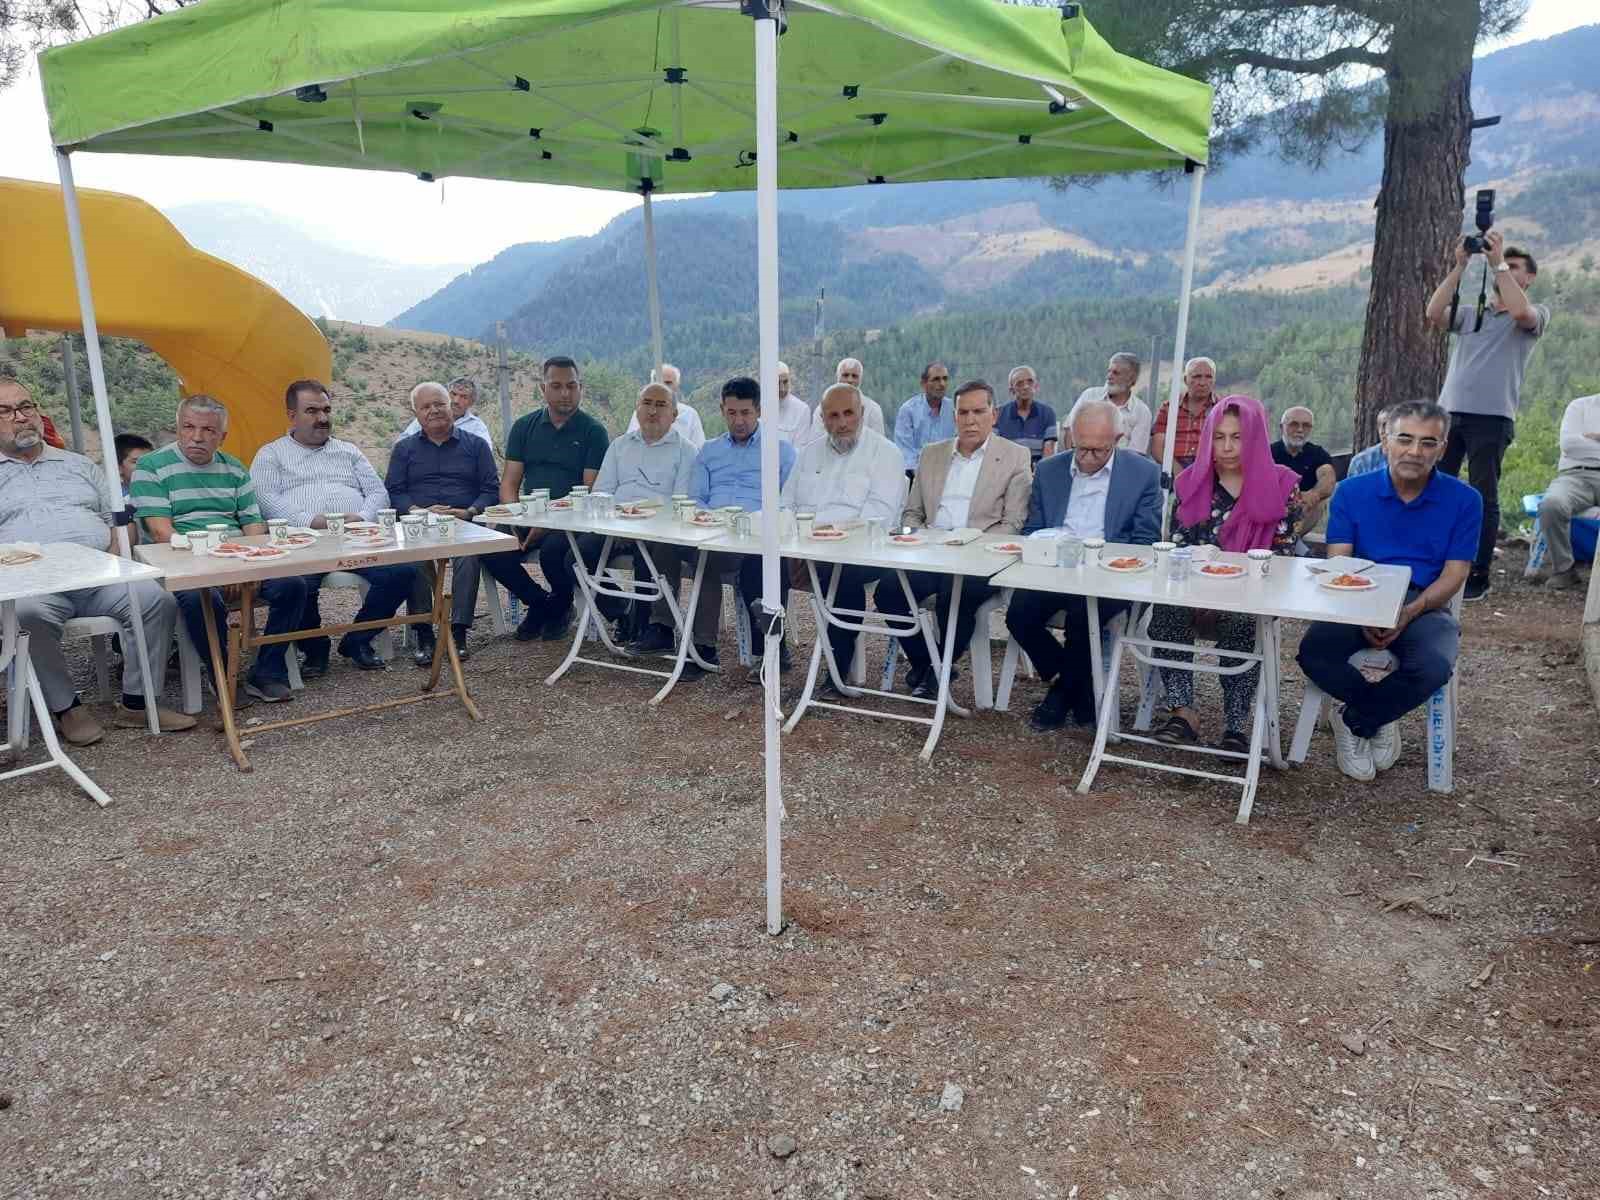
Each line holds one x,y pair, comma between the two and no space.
655,96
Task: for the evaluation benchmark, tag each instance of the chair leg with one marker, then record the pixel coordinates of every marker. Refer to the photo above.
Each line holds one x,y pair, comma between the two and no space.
1008,676
101,648
1149,697
1310,711
1442,739
742,614
858,661
890,659
188,672
497,612
982,656
291,661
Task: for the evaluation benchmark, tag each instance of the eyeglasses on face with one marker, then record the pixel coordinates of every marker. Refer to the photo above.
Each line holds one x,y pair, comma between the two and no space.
1405,441
11,411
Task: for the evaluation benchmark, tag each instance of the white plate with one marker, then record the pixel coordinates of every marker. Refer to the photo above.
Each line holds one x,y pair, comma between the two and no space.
1237,572
1345,587
642,515
1005,548
561,505
353,526
1144,564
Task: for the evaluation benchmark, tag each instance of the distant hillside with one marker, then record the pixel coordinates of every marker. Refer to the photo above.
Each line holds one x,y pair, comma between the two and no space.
319,278
1001,243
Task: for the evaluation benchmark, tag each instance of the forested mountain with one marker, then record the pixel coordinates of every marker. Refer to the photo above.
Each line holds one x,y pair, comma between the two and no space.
471,303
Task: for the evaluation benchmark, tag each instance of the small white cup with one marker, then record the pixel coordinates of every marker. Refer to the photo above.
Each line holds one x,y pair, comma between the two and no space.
278,531
335,523
200,543
1091,551
386,522
1262,560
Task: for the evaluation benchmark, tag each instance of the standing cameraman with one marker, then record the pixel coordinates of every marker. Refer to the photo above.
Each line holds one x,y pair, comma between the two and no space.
1483,386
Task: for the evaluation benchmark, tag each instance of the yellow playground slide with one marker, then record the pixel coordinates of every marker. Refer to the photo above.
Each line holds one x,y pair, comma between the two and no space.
223,331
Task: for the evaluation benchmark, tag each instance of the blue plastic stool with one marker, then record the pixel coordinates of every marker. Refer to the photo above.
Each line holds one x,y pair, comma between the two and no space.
1585,534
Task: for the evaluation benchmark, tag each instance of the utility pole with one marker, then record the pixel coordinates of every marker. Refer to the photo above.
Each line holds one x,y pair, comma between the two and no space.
69,364
820,379
503,371
1155,377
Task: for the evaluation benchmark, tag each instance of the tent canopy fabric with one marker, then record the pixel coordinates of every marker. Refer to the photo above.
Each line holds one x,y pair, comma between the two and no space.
602,93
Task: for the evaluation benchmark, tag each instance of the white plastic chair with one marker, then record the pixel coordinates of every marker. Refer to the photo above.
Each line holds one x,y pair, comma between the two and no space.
1015,657
1441,716
979,650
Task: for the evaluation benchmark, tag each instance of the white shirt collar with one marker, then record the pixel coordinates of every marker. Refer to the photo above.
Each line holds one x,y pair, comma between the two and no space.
956,455
1103,472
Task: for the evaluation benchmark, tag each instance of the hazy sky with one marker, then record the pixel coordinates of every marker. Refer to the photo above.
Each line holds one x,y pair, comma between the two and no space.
395,216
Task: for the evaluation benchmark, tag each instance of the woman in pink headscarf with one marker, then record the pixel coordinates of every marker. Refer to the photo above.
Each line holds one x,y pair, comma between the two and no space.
1233,496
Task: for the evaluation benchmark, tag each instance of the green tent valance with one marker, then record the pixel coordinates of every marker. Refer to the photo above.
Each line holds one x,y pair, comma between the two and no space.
599,93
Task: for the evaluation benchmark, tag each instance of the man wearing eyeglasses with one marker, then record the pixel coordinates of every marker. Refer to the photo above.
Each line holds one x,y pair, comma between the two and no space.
1410,515
1093,490
653,462
50,495
925,418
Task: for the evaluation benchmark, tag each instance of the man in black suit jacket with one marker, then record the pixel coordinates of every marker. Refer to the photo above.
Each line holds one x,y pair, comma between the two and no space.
1119,499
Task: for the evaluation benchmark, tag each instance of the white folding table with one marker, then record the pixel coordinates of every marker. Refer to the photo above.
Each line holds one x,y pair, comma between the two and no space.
662,527
64,567
933,555
185,571
1289,591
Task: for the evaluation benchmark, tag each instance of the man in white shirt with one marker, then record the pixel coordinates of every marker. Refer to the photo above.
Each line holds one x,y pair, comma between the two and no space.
852,474
978,480
688,423
1094,490
850,371
1574,490
1133,414
463,395
794,414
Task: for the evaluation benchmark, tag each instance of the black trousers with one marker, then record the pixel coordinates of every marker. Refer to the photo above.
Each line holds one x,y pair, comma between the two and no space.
1069,664
1480,442
891,599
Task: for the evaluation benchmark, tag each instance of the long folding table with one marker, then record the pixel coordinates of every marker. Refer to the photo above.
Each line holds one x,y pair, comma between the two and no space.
63,567
605,580
1290,591
934,554
185,571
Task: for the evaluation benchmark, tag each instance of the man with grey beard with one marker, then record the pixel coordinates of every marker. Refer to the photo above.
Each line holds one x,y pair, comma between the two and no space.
49,495
851,474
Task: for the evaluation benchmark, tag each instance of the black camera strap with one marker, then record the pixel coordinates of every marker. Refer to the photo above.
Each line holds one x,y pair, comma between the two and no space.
1483,301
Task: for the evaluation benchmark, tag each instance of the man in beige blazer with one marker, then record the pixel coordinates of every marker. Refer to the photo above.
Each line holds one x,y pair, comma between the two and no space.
978,481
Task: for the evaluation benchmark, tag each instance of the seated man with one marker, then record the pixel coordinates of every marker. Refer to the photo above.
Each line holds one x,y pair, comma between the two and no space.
302,477
49,495
1574,490
925,417
130,449
688,424
852,474
977,481
1310,461
727,472
655,462
1410,515
190,484
557,447
442,470
1133,414
463,395
1371,459
1093,490
849,371
1027,420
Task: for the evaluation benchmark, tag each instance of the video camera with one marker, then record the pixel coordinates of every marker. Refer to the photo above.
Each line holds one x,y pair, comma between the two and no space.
1484,218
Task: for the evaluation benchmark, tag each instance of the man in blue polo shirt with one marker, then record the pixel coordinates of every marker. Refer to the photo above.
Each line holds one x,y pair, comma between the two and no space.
726,473
1411,516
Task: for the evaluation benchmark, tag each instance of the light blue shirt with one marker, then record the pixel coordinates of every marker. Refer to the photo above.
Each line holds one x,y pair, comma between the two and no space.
727,473
915,426
1086,507
469,422
1369,460
633,469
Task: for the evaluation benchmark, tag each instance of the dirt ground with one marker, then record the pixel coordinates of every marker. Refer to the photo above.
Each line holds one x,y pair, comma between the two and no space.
415,956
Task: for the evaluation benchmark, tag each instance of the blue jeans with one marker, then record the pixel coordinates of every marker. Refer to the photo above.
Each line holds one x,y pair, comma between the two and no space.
1425,651
285,600
389,588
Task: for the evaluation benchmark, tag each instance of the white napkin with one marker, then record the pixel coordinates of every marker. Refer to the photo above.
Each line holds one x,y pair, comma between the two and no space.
180,541
1343,565
959,537
22,551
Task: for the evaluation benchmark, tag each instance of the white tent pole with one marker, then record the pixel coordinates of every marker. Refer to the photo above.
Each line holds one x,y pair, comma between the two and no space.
767,308
1191,237
102,408
657,353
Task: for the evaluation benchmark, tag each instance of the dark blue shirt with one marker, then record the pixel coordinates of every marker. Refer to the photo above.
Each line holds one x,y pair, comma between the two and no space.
1032,431
459,473
1439,526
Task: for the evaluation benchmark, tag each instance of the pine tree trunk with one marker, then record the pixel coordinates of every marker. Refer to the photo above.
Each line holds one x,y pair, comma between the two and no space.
1427,138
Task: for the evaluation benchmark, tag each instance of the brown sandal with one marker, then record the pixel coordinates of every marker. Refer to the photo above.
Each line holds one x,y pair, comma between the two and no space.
1177,732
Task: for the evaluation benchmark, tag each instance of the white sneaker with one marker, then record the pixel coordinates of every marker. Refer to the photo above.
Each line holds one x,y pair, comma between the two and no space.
1386,746
1354,754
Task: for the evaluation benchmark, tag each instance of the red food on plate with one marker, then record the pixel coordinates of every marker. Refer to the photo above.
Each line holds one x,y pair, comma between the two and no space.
1009,548
909,538
263,552
1350,581
828,535
233,548
1126,564
1224,569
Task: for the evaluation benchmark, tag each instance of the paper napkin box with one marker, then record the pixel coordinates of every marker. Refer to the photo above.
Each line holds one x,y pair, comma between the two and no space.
1043,549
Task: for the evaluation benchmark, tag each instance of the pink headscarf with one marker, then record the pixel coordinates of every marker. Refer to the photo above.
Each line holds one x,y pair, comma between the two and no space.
1252,523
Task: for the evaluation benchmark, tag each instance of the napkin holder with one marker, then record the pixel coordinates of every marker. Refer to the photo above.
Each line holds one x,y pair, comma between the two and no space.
1043,549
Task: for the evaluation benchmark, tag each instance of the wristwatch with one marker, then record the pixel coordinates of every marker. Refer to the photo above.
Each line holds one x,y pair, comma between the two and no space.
472,512
1505,266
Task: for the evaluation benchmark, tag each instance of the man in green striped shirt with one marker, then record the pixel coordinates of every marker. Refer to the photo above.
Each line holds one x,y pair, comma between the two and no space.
190,484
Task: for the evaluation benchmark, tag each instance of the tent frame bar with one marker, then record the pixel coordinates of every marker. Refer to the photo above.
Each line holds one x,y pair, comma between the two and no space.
1191,237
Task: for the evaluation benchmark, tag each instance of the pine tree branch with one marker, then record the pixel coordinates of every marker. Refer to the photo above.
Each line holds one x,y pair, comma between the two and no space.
1228,60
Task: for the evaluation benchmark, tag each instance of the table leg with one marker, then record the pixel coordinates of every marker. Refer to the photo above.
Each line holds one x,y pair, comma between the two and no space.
1252,773
47,729
223,678
685,622
1272,680
142,648
1103,726
821,605
587,611
943,704
16,704
444,646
